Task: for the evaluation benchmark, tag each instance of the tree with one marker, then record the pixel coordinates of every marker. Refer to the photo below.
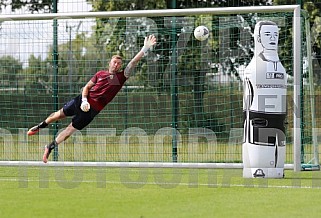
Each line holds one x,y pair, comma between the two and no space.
31,5
314,12
10,70
77,60
218,3
37,76
313,9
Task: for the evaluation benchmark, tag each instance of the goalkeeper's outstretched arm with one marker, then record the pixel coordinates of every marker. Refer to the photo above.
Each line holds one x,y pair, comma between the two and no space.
85,106
148,43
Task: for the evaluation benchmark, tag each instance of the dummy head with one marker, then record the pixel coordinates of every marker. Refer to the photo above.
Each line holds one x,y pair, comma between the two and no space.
266,35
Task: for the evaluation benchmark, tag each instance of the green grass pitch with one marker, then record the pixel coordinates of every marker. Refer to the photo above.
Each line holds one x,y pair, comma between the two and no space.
153,192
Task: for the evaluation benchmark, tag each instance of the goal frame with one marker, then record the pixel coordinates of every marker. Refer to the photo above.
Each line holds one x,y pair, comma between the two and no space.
295,9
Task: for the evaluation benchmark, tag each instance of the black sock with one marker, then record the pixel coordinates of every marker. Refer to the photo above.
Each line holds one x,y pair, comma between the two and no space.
43,124
52,145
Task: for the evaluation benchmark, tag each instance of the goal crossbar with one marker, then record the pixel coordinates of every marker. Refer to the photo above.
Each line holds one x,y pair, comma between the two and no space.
153,13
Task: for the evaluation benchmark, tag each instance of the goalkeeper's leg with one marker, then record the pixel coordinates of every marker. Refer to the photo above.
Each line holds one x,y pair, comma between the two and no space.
52,118
48,149
35,129
62,136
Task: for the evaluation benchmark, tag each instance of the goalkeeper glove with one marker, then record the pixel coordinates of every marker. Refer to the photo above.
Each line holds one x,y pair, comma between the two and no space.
148,43
85,106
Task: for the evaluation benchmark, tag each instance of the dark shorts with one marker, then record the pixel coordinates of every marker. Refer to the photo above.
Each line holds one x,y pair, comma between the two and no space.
80,118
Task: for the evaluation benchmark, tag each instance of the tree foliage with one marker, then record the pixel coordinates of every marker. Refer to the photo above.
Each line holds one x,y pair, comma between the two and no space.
218,3
313,9
34,6
10,70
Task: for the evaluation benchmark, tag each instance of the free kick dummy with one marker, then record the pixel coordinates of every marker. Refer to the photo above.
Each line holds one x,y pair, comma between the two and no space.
264,107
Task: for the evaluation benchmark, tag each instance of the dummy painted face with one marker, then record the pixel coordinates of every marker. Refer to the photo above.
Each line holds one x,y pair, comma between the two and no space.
269,36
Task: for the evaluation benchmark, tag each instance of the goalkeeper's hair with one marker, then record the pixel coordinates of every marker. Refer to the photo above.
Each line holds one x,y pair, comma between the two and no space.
117,57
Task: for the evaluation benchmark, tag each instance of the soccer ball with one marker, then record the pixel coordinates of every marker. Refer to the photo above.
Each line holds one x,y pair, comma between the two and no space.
201,33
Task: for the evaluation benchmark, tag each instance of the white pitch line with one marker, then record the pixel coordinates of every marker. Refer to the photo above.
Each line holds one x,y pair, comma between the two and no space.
212,185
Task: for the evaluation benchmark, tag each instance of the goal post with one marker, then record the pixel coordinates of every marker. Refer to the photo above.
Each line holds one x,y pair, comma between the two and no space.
310,152
139,125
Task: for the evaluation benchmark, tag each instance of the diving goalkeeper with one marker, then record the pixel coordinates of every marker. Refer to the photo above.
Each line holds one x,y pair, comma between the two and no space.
97,93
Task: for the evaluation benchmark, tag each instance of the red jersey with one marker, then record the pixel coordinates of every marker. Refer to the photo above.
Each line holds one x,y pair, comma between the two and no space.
105,89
